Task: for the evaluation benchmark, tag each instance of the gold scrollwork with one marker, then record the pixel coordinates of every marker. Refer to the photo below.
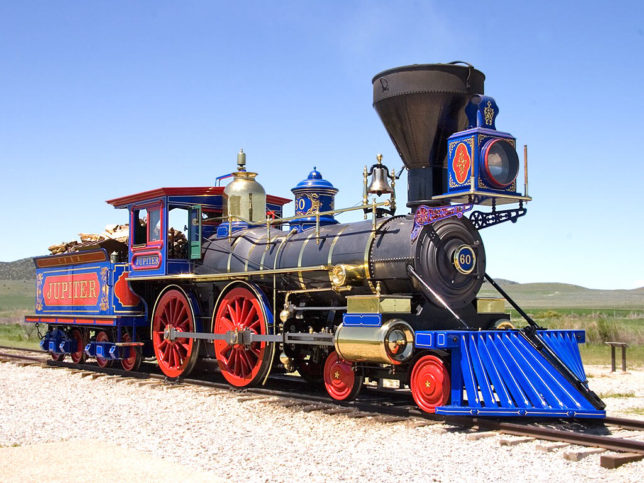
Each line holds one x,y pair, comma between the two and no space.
314,198
39,282
104,289
489,113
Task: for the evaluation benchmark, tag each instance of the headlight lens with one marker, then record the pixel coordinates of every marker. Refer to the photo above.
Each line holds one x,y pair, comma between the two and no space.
500,163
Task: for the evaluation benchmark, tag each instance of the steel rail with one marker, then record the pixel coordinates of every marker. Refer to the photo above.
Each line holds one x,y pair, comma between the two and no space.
551,434
376,402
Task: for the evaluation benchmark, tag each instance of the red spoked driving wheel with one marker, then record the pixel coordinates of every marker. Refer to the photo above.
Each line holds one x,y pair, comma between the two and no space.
340,380
103,336
176,357
80,337
240,310
430,383
131,355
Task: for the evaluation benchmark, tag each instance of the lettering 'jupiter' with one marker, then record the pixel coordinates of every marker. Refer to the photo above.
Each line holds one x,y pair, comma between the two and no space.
80,289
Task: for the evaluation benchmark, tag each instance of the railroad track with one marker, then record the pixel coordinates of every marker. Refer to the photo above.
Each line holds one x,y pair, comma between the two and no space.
392,406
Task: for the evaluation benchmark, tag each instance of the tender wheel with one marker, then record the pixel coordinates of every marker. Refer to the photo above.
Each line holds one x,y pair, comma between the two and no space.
57,357
132,356
102,336
340,380
430,384
240,310
178,357
80,336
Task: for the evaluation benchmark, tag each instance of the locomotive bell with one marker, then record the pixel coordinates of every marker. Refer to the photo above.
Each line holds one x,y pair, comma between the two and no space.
380,179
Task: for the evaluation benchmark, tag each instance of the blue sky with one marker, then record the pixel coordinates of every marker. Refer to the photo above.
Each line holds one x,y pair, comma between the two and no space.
107,98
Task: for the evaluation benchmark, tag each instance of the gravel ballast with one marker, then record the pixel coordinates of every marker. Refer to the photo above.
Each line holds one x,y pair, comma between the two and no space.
202,434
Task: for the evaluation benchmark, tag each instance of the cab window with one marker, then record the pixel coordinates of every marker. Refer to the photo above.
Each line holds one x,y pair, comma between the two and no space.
147,225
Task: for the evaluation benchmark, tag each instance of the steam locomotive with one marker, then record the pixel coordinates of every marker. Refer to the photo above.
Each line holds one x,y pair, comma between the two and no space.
391,297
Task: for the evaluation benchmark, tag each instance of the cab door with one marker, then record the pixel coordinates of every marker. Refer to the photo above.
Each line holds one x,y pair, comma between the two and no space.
148,239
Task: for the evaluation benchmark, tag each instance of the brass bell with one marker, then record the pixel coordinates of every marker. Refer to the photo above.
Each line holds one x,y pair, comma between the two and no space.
379,179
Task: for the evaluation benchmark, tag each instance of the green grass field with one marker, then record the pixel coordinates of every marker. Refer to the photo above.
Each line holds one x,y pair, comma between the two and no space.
624,322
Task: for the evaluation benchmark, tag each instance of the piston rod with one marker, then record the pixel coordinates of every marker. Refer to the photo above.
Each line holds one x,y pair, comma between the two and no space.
247,337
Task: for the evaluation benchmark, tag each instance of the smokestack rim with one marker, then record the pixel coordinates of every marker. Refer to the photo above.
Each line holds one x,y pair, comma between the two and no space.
446,67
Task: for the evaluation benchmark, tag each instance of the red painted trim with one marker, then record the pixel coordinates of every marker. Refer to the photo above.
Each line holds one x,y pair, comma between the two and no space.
277,200
156,193
146,252
157,205
490,178
123,201
72,289
71,320
123,293
76,258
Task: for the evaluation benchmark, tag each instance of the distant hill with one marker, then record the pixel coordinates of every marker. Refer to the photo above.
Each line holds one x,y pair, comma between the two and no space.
529,295
563,295
22,269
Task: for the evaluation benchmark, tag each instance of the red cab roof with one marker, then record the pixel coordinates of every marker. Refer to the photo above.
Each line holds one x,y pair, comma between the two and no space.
188,191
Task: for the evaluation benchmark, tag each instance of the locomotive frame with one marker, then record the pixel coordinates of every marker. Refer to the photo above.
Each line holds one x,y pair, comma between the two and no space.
392,297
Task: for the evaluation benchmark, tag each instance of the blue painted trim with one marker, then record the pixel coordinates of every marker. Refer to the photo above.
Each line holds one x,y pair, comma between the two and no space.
499,373
362,320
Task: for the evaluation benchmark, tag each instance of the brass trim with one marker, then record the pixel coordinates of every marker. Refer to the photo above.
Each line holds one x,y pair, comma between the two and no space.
250,252
367,250
490,305
330,212
329,259
228,275
374,304
299,258
269,244
232,249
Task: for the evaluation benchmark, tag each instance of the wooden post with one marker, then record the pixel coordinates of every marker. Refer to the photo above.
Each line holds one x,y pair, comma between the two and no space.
612,345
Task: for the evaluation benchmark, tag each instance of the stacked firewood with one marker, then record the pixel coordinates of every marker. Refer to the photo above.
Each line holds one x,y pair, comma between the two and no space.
177,243
119,233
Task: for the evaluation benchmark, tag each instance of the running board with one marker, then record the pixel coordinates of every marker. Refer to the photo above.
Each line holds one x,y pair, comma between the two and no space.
499,373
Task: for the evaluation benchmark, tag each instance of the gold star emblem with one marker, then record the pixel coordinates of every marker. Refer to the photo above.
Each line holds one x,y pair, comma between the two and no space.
428,384
336,374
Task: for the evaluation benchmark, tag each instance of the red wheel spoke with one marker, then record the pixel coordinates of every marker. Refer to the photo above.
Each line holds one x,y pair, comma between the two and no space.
234,358
255,325
249,360
233,313
241,309
183,349
176,357
226,325
251,317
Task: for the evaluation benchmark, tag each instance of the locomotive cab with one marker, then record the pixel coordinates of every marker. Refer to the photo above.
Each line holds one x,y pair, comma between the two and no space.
167,226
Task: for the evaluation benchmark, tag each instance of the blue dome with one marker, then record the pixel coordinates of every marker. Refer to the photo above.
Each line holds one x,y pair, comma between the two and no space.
314,181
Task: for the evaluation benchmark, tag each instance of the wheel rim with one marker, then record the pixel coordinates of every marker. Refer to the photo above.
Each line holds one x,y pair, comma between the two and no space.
339,379
430,383
132,355
79,336
177,357
240,310
101,361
